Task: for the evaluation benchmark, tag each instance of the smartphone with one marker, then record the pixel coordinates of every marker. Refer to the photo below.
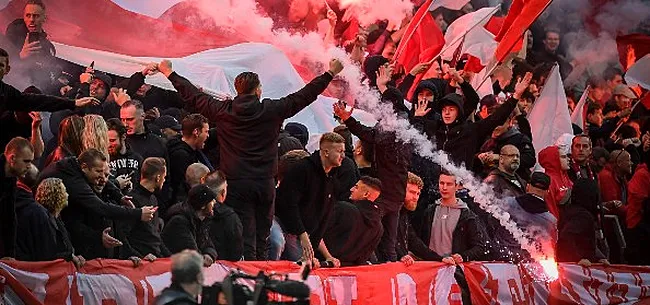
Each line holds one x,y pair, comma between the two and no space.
33,36
92,65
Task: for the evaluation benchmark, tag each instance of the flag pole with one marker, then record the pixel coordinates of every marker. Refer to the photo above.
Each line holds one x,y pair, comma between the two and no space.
613,136
404,41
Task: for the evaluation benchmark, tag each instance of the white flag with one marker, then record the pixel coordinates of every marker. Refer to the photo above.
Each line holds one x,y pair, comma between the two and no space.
450,4
478,42
482,84
638,73
578,115
550,118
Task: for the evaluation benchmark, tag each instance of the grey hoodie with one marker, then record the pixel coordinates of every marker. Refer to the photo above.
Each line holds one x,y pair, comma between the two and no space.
443,225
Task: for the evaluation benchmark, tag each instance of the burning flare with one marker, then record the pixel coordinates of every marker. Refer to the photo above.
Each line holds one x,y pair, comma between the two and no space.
550,269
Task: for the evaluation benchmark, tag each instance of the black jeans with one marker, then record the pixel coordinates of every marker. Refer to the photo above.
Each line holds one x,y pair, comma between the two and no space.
386,250
253,201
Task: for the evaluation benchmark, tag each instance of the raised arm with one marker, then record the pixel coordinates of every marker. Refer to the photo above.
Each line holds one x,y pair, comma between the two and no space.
12,99
194,99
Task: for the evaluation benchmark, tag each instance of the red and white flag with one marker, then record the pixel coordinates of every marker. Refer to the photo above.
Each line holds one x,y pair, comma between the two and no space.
521,15
422,41
638,75
450,4
549,118
580,112
478,41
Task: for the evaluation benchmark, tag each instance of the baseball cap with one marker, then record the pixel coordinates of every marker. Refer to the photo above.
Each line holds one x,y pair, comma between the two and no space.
624,90
168,121
540,180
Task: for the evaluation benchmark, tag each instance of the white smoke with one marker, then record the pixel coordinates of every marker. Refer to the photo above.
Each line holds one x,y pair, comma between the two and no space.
369,11
310,49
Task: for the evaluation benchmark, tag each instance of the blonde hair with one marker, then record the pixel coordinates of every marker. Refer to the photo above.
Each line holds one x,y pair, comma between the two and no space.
95,134
52,195
414,179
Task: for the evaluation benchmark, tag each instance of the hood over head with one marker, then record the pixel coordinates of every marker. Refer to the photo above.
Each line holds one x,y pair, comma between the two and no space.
549,159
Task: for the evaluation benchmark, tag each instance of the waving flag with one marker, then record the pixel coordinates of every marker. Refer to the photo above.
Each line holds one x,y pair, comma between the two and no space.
477,40
579,113
521,15
122,35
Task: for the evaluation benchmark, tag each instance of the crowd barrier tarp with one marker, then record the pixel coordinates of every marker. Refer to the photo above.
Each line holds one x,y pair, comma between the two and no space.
424,283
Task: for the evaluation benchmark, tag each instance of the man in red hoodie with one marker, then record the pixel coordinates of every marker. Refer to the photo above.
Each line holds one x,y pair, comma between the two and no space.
556,166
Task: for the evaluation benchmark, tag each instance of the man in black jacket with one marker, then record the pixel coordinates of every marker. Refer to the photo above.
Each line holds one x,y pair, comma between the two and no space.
14,163
90,199
248,139
151,96
185,229
142,239
391,161
306,197
187,280
124,162
225,226
186,150
504,179
355,229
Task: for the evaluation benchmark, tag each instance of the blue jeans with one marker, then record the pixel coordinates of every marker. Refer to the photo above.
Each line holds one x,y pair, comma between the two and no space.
283,246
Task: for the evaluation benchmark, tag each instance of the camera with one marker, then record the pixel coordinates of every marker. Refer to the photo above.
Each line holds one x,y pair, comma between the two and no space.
265,290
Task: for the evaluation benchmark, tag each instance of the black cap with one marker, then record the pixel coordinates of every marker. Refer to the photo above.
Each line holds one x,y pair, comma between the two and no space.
167,121
540,180
199,196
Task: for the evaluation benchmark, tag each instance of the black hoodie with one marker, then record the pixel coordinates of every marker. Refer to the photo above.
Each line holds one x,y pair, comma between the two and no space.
185,230
249,128
142,238
578,224
354,231
305,198
462,139
392,157
181,156
226,233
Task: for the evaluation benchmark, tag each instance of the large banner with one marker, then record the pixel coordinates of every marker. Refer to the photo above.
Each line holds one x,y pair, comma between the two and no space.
424,283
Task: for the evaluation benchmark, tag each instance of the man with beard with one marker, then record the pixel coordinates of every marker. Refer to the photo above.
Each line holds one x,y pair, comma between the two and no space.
15,162
305,198
186,150
355,229
124,163
91,202
504,179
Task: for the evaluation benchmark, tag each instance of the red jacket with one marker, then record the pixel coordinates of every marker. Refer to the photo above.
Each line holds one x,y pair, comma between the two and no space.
638,190
611,188
549,158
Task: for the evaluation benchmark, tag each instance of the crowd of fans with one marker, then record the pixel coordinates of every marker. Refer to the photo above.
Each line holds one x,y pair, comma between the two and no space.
96,167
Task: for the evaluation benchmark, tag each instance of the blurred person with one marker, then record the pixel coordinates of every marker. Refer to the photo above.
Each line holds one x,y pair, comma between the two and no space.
92,202
355,229
298,131
224,225
305,200
185,150
95,134
124,162
187,280
347,174
600,129
185,229
287,143
613,77
550,54
556,166
613,183
363,156
248,139
16,162
69,140
622,97
598,89
637,218
504,179
487,106
142,239
600,158
578,226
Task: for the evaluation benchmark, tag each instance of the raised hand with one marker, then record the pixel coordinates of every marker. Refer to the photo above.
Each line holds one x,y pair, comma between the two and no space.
336,67
87,101
150,69
456,75
120,96
331,17
421,108
522,85
165,67
420,68
340,109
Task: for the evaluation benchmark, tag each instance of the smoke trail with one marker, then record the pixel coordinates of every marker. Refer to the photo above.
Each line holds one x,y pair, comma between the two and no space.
310,49
369,11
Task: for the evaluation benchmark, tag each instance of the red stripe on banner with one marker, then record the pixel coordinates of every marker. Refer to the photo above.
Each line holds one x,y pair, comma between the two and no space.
428,283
